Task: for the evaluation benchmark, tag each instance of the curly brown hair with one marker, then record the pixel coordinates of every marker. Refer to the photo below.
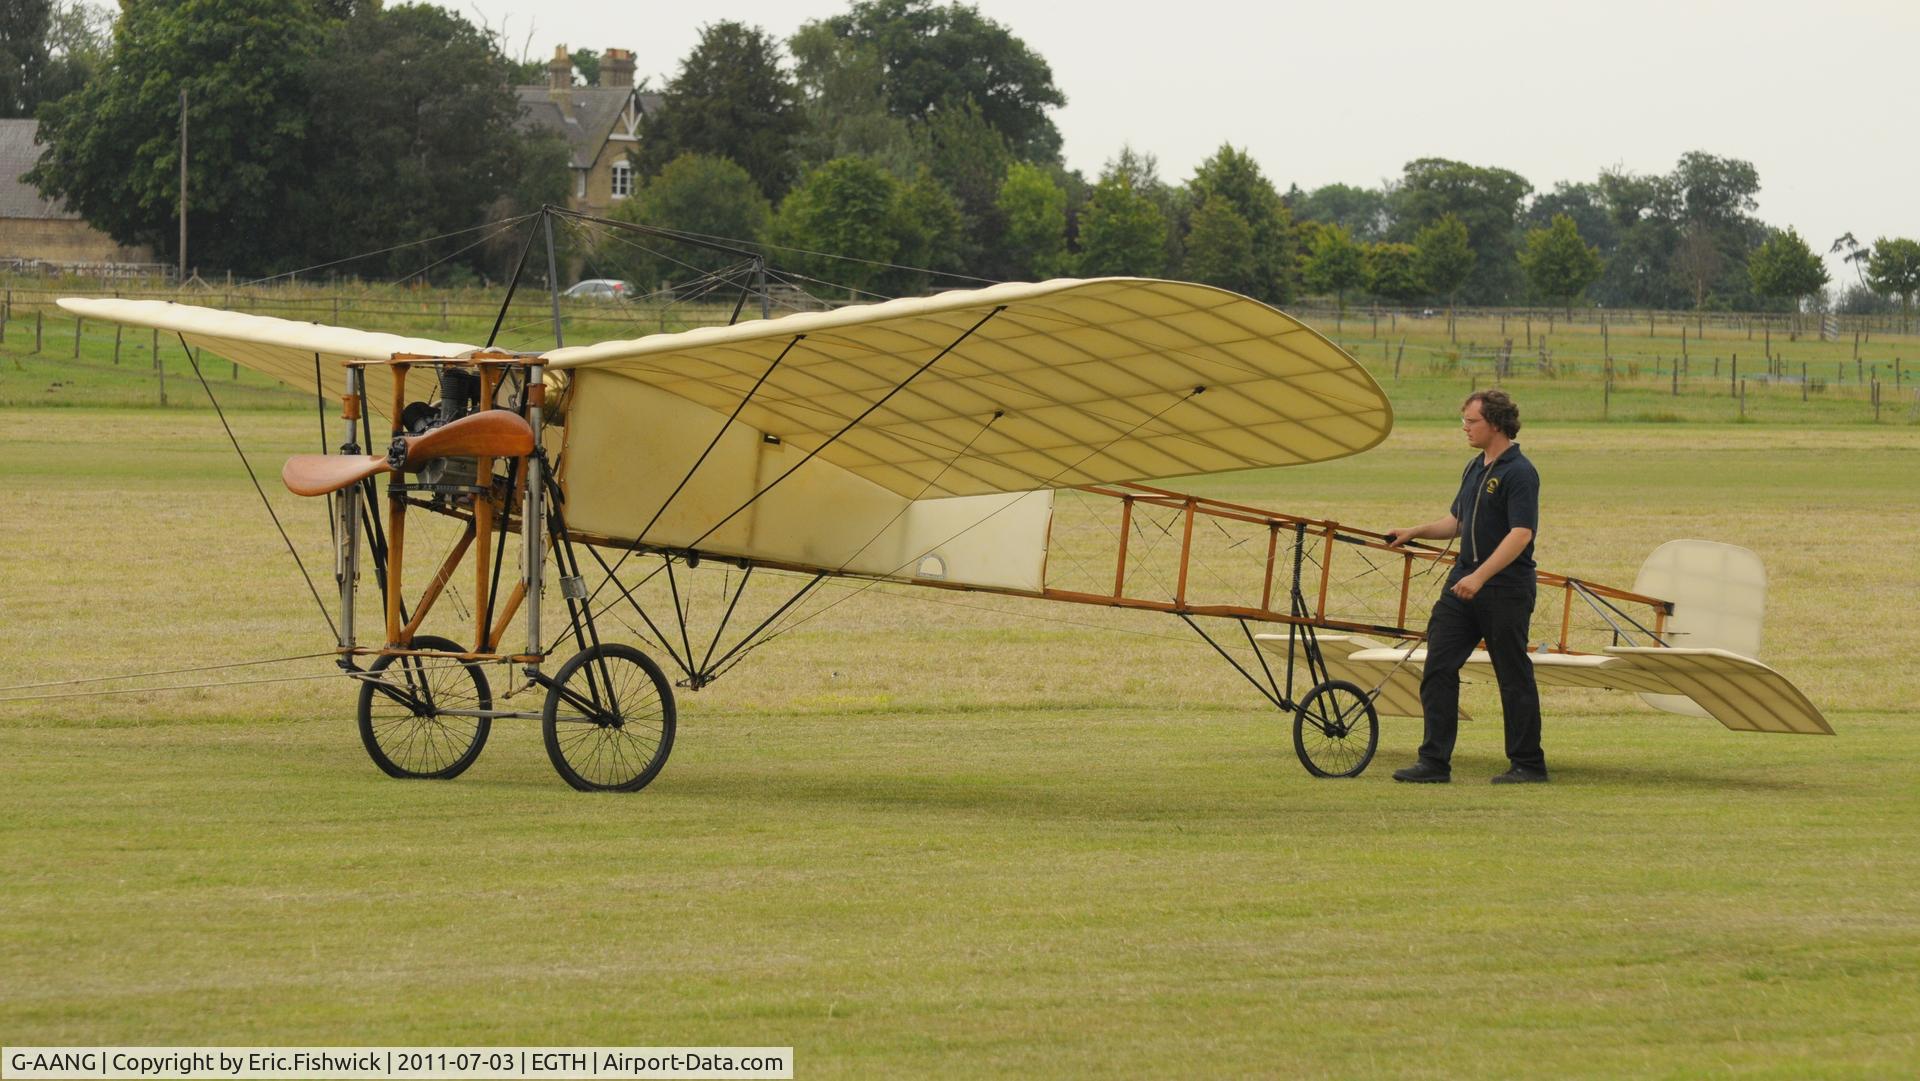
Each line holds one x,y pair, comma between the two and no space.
1498,410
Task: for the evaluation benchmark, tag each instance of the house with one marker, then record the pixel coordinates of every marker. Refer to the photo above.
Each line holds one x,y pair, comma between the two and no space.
35,231
601,126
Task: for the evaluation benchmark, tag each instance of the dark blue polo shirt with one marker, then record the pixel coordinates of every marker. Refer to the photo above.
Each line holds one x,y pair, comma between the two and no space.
1493,501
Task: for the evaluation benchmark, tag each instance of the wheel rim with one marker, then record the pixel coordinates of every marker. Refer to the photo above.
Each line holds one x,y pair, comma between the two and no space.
422,738
1335,730
621,740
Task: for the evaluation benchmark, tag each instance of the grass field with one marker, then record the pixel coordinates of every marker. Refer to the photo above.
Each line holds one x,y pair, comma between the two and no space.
928,833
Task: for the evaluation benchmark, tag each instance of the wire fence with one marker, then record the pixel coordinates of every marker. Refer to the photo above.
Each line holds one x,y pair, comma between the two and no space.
1658,353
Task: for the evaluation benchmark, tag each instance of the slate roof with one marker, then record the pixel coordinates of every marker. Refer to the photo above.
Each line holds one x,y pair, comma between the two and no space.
596,109
19,199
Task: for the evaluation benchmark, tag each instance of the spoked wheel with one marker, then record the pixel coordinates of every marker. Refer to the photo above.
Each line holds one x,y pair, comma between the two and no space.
1335,730
609,719
416,717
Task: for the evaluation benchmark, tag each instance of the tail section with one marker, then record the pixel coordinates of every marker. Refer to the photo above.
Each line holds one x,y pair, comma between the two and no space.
1719,595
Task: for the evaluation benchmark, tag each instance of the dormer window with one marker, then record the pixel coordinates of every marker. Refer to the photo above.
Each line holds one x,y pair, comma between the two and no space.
622,179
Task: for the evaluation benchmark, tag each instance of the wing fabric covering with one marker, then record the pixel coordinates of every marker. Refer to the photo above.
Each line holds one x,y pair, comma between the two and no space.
1093,381
281,348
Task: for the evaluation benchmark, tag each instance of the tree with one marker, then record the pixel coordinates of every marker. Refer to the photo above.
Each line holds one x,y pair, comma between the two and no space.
1142,170
1220,248
1233,175
1894,270
695,193
1121,231
970,156
1784,268
1034,208
1643,213
937,56
1857,257
113,150
398,98
843,88
49,49
1362,212
1485,200
1697,261
1717,191
1558,262
1335,264
1445,258
854,209
931,230
1393,271
730,99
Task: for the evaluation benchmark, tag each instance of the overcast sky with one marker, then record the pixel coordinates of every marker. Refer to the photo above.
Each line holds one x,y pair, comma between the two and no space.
1818,96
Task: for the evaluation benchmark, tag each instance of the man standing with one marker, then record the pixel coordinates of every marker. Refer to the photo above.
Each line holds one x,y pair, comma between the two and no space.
1489,595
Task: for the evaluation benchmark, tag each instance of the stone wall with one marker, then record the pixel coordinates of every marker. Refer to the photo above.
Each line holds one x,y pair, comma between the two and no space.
63,240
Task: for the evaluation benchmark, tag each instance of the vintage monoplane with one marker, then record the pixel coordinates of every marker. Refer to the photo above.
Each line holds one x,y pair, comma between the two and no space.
996,440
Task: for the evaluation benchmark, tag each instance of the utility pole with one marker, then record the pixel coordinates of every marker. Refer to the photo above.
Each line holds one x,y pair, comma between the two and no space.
183,188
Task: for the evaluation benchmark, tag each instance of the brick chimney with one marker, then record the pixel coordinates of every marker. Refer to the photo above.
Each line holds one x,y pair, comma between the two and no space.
560,69
616,67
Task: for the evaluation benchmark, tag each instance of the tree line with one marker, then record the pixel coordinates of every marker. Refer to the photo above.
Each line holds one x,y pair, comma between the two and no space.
912,139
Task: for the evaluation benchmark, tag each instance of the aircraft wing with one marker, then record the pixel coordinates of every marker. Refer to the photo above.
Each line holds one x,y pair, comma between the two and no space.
282,348
1094,381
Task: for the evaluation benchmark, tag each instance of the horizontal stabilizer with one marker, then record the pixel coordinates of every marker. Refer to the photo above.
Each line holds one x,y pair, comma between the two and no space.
1737,691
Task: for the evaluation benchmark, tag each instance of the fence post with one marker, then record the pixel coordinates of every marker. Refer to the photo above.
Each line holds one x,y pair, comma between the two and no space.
1606,389
1743,399
1401,352
117,328
1876,401
37,320
1676,380
78,324
1649,322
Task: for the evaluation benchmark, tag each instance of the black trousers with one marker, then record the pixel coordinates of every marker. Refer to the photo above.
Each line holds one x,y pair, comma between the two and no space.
1499,615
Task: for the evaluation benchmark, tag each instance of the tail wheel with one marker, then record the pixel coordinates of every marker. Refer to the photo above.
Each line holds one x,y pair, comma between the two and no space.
609,719
417,713
1336,730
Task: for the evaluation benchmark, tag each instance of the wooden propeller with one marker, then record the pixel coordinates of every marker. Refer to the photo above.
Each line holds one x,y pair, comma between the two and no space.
495,433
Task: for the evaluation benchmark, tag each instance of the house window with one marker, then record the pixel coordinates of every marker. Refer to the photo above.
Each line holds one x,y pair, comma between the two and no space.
622,179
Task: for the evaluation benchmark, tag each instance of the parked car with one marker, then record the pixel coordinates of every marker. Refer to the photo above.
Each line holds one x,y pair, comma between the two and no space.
602,289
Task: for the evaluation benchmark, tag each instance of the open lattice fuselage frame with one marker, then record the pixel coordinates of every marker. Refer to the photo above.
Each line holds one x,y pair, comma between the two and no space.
1297,567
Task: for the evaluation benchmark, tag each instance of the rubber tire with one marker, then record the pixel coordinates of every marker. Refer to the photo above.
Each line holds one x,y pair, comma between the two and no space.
622,662
1348,702
458,758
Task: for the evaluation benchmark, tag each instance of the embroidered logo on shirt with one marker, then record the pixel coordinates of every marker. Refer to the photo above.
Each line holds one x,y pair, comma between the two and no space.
1492,483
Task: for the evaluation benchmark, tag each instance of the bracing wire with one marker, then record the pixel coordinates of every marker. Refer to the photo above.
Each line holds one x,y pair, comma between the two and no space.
248,466
383,251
